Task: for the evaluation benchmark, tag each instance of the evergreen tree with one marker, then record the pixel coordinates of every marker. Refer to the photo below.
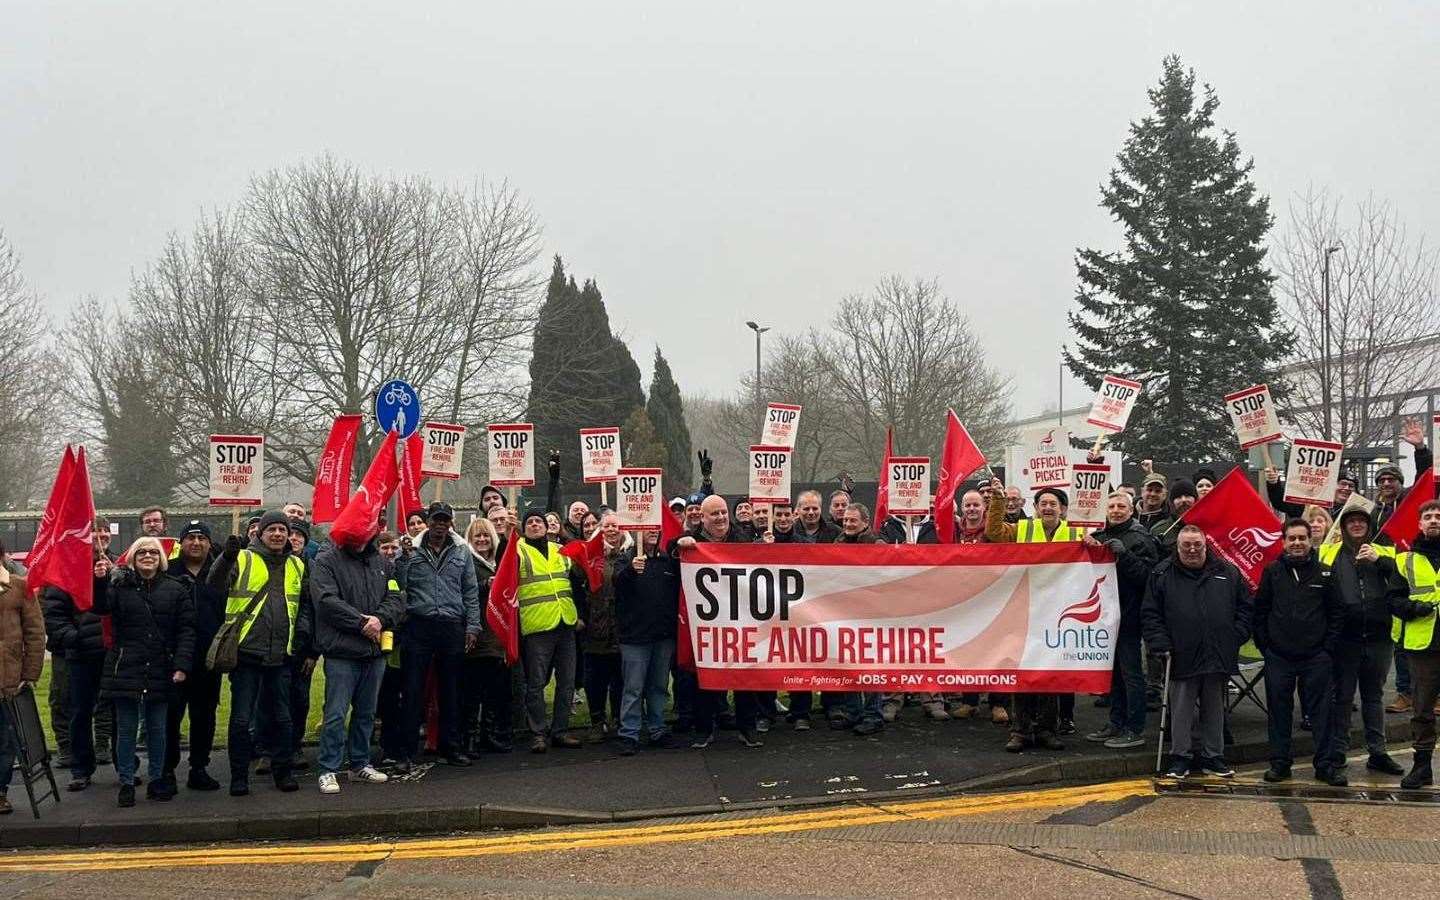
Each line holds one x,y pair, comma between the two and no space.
667,413
1186,308
138,434
641,445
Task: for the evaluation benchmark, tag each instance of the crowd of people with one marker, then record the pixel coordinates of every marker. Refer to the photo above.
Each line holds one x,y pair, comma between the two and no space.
399,628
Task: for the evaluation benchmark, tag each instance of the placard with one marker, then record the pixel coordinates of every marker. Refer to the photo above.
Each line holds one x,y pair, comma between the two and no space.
1113,402
599,454
1313,472
1089,496
639,499
770,473
1253,414
511,454
237,470
442,448
1047,459
908,478
782,421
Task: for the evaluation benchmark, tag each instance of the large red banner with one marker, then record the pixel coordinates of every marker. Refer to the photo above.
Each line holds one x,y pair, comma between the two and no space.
929,617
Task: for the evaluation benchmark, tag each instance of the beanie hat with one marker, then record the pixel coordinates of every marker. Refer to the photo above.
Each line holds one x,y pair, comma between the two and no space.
274,517
1183,487
533,511
1205,475
300,527
1354,511
1392,470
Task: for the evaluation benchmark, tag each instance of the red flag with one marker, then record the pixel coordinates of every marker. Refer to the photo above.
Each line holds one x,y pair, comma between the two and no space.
590,557
959,458
359,521
65,557
882,488
332,473
502,612
410,500
1404,523
1239,525
671,528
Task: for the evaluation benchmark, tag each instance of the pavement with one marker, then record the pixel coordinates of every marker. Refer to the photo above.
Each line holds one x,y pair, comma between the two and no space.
912,757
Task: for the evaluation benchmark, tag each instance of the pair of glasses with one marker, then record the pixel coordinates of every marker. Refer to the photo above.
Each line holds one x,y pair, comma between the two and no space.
139,553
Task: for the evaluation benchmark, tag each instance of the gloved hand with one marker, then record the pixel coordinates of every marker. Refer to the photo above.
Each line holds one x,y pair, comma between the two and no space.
554,465
847,484
1115,546
232,546
706,464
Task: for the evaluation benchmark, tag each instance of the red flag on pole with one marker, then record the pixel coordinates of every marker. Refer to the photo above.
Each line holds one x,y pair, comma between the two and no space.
882,489
359,521
590,557
410,500
672,527
502,611
332,472
959,458
62,554
1238,524
1404,523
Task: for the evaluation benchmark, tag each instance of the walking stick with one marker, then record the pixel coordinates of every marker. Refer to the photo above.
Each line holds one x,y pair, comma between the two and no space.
1164,716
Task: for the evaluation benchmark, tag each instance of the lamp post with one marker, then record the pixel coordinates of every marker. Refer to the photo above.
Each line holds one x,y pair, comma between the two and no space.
1325,389
758,331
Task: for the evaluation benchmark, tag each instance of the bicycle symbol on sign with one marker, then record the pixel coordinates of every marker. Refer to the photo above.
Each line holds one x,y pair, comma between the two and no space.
397,395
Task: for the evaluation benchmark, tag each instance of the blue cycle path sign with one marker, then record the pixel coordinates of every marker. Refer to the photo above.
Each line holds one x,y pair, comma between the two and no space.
397,407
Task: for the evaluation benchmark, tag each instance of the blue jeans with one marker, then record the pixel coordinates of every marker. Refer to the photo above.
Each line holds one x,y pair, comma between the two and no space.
645,669
349,683
1127,685
9,744
127,723
863,707
245,690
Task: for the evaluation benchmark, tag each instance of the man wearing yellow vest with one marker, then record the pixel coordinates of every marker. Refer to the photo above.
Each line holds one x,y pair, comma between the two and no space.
551,598
1420,641
1035,716
264,586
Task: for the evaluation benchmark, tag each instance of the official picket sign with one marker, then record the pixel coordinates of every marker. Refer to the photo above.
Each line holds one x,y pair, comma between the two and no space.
599,454
782,421
1253,414
511,449
1313,472
237,470
639,498
1088,499
908,478
442,448
1113,402
1049,460
951,617
770,473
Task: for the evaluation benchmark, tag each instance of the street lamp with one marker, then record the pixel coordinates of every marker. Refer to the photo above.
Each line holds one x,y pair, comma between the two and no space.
758,331
1325,389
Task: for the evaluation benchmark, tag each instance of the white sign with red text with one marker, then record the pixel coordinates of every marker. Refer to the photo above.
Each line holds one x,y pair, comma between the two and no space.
511,451
599,454
1113,402
1253,414
908,478
1047,459
442,447
237,470
1089,495
1313,473
782,421
770,473
639,499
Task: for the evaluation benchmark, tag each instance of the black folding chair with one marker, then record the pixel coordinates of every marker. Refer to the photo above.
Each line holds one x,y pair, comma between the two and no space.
1252,670
32,754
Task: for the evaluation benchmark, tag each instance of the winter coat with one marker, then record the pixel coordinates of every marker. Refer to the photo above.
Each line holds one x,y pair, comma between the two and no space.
209,603
1370,594
268,642
153,623
826,533
346,586
781,537
441,585
1199,616
22,634
646,606
79,636
488,646
927,534
893,531
1297,609
1134,561
864,537
1148,520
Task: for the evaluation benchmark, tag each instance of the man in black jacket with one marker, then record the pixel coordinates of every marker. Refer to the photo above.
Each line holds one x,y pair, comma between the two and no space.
355,600
812,527
200,692
79,637
1136,553
1297,626
647,595
1197,612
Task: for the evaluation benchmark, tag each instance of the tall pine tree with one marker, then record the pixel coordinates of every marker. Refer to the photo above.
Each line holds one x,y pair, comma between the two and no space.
667,414
1187,306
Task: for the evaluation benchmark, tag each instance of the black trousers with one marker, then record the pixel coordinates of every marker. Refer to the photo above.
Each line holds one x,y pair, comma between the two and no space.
603,683
200,694
708,705
486,701
1314,678
443,642
1034,714
1361,666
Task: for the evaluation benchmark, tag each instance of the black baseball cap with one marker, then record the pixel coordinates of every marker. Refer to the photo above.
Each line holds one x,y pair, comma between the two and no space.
440,510
195,526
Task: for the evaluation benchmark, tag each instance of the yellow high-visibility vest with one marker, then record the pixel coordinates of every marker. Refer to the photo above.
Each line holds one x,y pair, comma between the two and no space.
544,596
251,576
1032,531
1416,634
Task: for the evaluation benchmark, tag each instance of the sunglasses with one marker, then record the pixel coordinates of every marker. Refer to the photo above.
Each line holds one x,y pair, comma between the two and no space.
139,553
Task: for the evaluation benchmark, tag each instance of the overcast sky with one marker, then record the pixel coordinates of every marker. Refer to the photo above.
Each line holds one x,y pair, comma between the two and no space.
706,163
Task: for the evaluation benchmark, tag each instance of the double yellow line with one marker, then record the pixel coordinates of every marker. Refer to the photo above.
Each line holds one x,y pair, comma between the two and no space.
576,839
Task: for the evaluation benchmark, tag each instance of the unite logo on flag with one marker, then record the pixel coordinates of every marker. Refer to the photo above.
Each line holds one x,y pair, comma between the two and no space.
1082,640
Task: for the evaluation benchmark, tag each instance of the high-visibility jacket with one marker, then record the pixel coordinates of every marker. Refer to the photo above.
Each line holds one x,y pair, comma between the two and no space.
1328,552
1416,634
544,597
252,575
1032,531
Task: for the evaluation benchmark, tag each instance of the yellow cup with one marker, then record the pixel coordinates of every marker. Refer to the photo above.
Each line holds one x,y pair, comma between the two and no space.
387,641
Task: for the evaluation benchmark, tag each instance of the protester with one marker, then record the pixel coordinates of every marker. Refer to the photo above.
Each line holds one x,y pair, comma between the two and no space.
812,528
1418,637
301,660
647,595
443,616
588,526
414,528
356,601
153,521
1182,495
1014,503
604,681
1197,612
839,500
79,637
153,624
869,711
693,515
1204,480
1297,623
1152,507
1319,522
486,696
744,523
572,529
199,694
264,585
551,598
22,659
760,520
490,497
1136,554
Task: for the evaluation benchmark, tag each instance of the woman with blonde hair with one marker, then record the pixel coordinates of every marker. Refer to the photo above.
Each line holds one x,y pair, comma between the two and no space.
485,696
1319,521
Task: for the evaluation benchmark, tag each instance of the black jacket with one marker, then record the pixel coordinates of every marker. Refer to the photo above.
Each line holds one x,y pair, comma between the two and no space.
346,586
1147,520
268,639
646,605
864,537
1135,559
1199,616
781,537
893,531
1297,609
825,534
209,603
77,635
154,627
1370,593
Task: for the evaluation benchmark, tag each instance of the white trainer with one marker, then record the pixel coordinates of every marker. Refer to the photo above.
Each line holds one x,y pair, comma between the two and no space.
329,784
369,775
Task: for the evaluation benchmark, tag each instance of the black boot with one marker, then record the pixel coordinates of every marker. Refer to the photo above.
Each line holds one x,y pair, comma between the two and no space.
285,780
1420,774
239,785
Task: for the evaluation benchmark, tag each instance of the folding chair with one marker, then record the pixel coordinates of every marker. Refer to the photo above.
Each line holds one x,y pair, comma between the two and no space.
1252,669
32,753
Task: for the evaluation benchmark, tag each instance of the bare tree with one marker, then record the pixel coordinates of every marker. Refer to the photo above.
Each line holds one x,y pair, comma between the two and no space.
1384,316
27,379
